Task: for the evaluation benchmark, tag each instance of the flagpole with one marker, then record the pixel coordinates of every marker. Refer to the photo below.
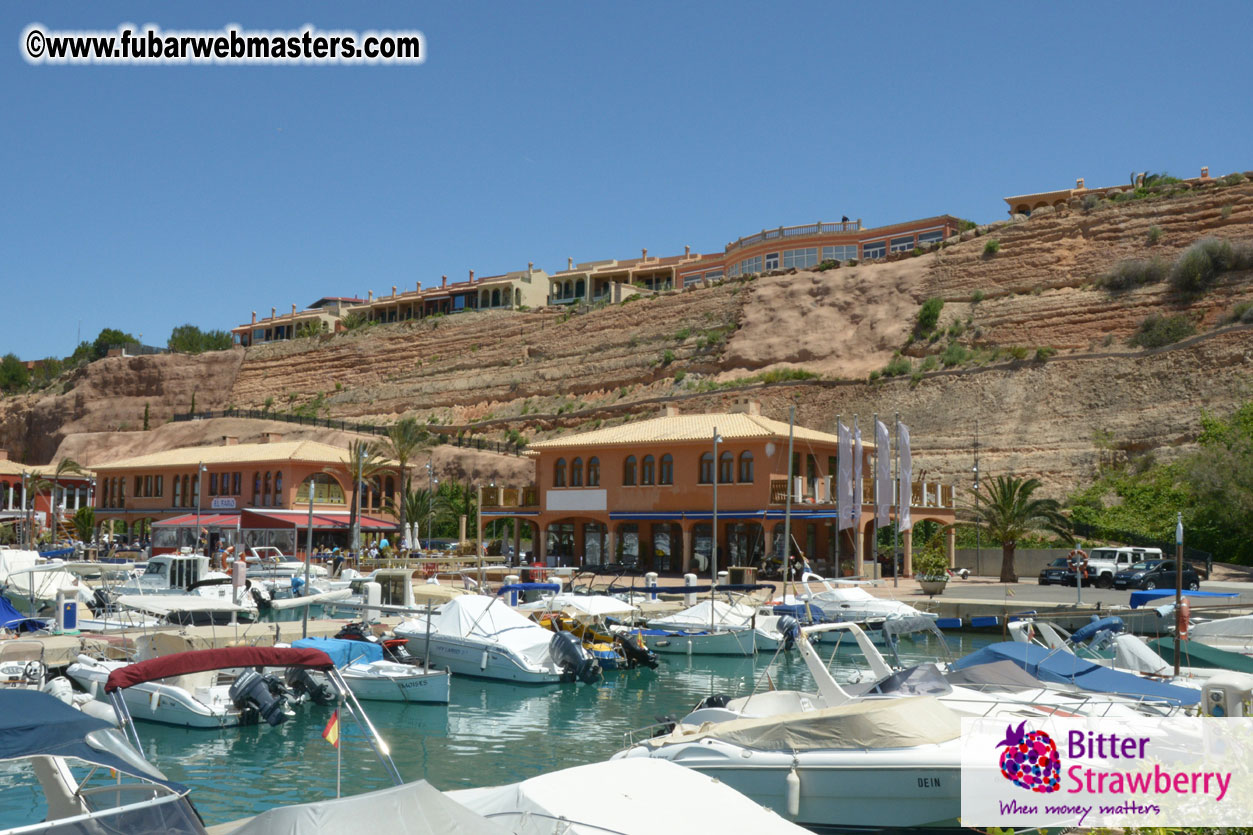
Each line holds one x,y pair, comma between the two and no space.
855,510
839,506
874,540
896,568
787,505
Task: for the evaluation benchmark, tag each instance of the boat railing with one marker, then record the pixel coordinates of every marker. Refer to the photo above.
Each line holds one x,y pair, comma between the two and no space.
1083,704
636,735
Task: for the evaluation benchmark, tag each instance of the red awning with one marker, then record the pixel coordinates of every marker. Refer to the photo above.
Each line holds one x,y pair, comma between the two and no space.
207,520
200,660
321,521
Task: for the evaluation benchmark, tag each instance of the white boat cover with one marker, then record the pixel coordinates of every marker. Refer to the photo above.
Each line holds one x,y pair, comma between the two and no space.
888,723
1239,627
163,604
582,605
725,616
409,809
476,616
46,579
1132,654
634,796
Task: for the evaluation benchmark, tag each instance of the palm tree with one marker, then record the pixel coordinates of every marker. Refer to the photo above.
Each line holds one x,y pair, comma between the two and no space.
364,464
1008,512
64,467
405,439
416,507
85,523
454,500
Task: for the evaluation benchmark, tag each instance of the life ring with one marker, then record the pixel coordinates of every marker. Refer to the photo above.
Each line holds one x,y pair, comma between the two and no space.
1185,615
1078,562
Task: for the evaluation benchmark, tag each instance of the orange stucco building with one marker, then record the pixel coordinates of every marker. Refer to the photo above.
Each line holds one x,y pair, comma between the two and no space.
643,494
247,494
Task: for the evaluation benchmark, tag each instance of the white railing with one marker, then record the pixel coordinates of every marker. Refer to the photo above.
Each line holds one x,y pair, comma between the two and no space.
795,232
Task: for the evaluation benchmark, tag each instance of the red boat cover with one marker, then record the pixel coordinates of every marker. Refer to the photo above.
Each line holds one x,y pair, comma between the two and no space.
197,661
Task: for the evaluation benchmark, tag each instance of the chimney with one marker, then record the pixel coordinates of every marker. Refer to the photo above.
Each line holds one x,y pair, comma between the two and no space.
746,407
530,268
644,254
1079,183
273,312
293,310
230,440
369,296
254,317
687,250
393,291
419,286
471,276
569,263
669,410
271,437
443,281
1204,172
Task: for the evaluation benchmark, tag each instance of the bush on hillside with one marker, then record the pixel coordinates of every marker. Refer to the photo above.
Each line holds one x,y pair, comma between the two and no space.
1202,263
929,314
899,366
1157,330
992,247
1127,275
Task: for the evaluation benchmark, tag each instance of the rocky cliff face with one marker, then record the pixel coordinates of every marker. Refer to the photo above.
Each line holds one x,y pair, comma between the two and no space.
552,371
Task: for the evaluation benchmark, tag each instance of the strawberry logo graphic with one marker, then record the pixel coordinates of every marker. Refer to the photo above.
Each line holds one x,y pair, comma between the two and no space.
1030,760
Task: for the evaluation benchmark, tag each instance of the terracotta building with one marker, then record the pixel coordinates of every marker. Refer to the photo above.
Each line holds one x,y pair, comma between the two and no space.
26,494
248,494
643,493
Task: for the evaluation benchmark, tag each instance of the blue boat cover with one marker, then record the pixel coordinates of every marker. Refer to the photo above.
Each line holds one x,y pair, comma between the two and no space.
343,651
11,618
34,724
528,587
1065,668
1143,597
58,553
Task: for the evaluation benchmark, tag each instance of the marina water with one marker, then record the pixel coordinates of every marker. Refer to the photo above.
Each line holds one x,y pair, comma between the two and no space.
491,733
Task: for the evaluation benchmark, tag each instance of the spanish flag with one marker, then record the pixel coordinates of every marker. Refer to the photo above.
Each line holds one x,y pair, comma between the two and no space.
331,733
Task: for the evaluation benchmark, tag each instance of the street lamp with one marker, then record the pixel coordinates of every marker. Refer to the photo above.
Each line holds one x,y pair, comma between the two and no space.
713,544
356,524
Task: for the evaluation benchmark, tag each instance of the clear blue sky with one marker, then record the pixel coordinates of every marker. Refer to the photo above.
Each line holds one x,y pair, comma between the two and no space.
145,197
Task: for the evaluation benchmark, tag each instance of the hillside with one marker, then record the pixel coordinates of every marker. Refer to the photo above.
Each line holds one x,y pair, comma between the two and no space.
1093,398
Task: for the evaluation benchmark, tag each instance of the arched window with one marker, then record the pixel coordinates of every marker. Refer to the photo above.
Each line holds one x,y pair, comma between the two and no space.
746,467
726,468
188,494
496,298
256,487
326,490
665,474
278,488
580,288
628,471
593,472
177,485
707,468
576,472
559,473
483,299
391,489
648,470
265,496
517,298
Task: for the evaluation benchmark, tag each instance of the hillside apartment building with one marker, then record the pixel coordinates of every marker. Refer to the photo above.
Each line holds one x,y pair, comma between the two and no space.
612,280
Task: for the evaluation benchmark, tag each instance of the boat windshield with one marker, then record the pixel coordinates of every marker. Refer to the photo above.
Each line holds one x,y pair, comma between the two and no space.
126,808
155,568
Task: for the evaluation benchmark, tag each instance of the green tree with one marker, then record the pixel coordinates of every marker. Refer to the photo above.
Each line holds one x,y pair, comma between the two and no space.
13,374
419,508
66,466
108,338
454,500
1220,478
405,438
1008,511
84,523
189,339
364,465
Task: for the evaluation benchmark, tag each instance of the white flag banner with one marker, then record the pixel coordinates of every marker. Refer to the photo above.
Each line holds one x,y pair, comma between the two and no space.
906,477
844,479
883,475
857,492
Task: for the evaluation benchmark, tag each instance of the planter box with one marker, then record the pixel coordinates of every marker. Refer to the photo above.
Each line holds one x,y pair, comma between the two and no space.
932,587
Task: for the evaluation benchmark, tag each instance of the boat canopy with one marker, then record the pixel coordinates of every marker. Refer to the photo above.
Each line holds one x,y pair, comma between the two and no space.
699,616
1194,654
164,604
343,651
36,724
409,809
474,616
584,605
876,723
11,618
1066,668
1239,627
1142,597
1001,675
201,660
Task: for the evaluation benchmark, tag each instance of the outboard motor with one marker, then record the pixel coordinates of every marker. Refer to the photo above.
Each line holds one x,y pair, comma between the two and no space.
791,630
253,692
567,651
719,700
260,598
356,631
638,654
306,684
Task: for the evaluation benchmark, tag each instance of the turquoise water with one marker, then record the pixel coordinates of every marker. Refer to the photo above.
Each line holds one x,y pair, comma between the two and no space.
491,733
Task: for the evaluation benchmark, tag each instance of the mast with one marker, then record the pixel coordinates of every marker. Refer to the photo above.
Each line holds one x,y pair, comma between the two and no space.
874,538
896,529
787,505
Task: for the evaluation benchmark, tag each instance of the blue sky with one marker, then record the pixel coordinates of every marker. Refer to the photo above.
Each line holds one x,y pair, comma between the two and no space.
143,197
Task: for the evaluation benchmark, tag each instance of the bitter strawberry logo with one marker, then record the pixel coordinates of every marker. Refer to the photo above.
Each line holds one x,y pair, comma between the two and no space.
1030,760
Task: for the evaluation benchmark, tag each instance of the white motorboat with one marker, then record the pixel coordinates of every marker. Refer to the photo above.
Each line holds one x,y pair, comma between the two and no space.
1234,634
713,627
372,678
187,574
881,763
480,636
33,583
848,600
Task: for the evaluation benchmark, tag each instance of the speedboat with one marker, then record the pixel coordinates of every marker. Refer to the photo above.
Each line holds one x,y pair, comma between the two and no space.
475,635
585,616
1234,634
713,627
876,763
847,600
371,677
27,578
190,689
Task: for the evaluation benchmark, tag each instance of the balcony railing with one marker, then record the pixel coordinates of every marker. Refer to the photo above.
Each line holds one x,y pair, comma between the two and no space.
821,491
498,498
796,232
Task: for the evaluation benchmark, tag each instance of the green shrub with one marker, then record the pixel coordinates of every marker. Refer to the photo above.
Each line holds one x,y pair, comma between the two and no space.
992,247
679,375
667,357
782,375
1044,352
955,354
956,329
1127,275
1090,202
1155,234
827,265
929,314
1242,312
977,296
897,367
874,375
929,363
1018,352
1202,263
965,225
1226,211
682,334
1233,179
1157,330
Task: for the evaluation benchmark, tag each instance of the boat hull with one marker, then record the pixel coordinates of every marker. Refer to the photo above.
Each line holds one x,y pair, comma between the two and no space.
740,642
408,684
478,660
156,702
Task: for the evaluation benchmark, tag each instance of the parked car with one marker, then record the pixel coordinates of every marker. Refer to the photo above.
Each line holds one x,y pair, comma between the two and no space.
1156,574
1055,572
